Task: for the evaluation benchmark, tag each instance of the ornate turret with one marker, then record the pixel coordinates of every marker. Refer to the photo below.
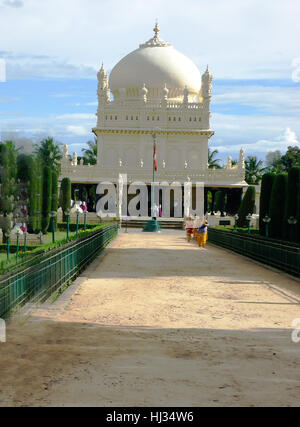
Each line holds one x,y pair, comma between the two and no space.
242,159
206,89
74,159
103,86
229,162
206,93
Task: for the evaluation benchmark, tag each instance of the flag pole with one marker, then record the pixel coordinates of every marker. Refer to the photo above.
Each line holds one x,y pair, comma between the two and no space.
152,225
152,187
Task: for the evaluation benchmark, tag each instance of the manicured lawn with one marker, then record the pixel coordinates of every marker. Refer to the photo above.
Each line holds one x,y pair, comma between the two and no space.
59,235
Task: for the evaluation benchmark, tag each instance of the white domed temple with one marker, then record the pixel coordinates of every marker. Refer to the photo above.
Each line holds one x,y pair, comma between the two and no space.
155,90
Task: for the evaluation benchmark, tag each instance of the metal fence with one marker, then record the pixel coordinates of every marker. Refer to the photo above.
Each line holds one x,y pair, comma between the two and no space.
58,267
281,256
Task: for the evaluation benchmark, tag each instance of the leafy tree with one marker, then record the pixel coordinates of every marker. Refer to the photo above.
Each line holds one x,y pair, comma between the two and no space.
265,196
90,154
277,205
49,153
291,158
247,206
212,162
254,170
273,162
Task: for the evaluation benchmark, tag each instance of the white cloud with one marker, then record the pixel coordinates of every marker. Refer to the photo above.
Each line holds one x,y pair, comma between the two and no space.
77,116
238,39
12,3
32,66
296,71
281,143
78,130
273,99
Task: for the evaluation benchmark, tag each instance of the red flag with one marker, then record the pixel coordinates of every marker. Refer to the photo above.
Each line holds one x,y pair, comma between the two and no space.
155,158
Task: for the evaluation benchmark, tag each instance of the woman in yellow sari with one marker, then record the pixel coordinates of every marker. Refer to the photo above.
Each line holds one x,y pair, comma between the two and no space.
202,233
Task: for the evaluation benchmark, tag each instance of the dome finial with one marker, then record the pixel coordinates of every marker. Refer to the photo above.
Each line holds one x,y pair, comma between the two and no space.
156,28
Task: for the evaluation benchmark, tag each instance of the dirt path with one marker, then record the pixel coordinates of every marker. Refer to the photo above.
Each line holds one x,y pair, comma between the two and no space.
159,322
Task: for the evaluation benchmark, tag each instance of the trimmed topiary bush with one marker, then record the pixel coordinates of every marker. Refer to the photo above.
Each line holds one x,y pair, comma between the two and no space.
54,197
65,196
265,196
47,197
277,205
247,206
291,199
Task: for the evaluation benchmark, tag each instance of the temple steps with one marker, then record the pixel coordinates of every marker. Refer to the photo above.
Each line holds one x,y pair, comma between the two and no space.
174,224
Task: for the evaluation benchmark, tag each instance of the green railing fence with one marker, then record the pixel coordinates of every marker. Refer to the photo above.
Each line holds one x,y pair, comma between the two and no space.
56,268
281,256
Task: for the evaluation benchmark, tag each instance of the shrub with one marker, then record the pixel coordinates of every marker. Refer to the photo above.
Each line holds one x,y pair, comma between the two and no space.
47,192
54,196
265,196
247,206
65,196
291,198
277,205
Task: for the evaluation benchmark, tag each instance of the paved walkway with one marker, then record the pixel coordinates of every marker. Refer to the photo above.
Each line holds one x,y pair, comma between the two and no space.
159,322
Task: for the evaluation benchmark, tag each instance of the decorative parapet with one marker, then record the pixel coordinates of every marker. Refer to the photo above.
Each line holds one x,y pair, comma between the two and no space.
95,174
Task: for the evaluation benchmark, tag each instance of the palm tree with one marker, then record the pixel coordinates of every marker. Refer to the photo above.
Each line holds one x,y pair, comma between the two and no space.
212,162
49,153
254,170
90,154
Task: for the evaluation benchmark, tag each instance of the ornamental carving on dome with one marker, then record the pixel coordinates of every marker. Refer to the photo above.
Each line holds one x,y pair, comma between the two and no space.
155,41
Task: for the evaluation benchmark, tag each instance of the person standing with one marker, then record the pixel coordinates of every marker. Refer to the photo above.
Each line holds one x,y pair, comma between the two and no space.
202,234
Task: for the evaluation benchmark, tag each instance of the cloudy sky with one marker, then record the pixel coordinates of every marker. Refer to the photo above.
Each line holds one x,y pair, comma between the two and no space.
52,50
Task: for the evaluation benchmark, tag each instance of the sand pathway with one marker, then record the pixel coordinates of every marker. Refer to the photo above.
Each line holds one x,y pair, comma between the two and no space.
156,321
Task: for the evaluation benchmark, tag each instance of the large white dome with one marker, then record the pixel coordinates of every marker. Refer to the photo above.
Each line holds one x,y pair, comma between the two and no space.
155,64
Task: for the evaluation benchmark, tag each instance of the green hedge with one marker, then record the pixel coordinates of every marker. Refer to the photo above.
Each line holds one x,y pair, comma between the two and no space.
33,254
47,198
292,192
277,205
265,196
65,195
247,207
62,226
